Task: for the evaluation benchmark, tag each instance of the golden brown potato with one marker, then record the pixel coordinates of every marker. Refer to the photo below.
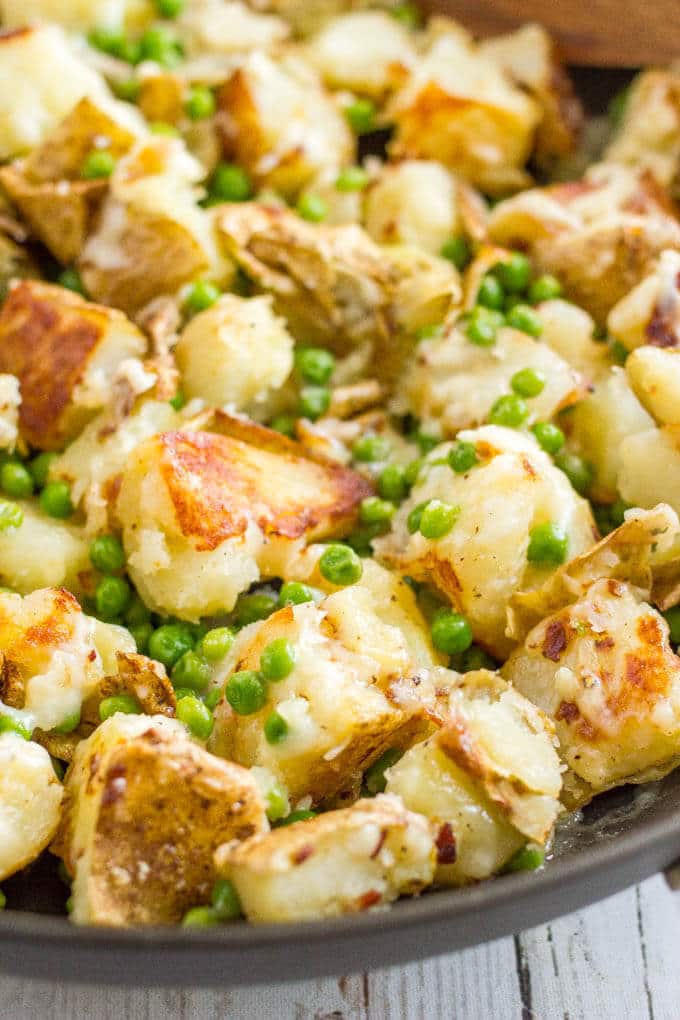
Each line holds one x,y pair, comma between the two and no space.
146,810
458,107
603,669
143,678
15,264
414,202
482,561
342,862
63,350
204,514
649,135
650,313
30,802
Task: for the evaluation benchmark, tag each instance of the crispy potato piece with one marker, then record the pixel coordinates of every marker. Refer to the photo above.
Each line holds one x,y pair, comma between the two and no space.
458,107
599,235
451,384
342,862
63,351
204,514
216,26
482,561
489,778
146,810
353,692
413,202
650,313
279,123
603,669
367,52
235,353
63,558
649,135
143,678
30,802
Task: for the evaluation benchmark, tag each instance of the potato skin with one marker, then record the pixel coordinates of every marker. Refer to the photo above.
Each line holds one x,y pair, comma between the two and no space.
146,810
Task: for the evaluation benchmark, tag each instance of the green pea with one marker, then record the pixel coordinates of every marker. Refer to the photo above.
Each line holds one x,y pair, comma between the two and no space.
314,401
618,106
545,288
340,565
55,500
529,858
169,8
71,279
302,815
462,456
619,352
293,593
374,777
107,40
161,46
161,127
476,658
246,692
169,643
458,251
277,659
8,724
351,178
524,318
16,480
371,448
491,293
216,643
178,401
415,516
550,438
437,519
196,716
672,618
312,208
284,423
192,671
106,554
230,183
201,295
11,515
361,116
510,411
69,724
124,703
225,900
98,163
392,484
408,14
618,511
515,273
200,917
128,89
528,382
578,471
481,326
374,510
548,545
275,728
136,611
412,471
213,698
431,332
277,803
3,900
451,632
314,364
426,442
141,632
112,596
250,608
40,467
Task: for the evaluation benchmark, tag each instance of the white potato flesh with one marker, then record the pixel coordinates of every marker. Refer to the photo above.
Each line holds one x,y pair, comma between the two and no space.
368,52
30,802
413,202
63,553
77,15
235,353
650,313
339,863
654,375
10,399
649,468
215,26
568,331
649,135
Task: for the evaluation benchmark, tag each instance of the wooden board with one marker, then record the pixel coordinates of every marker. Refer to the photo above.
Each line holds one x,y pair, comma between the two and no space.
615,33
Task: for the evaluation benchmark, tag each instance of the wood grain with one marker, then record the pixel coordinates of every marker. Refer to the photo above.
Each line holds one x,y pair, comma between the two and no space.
618,959
614,33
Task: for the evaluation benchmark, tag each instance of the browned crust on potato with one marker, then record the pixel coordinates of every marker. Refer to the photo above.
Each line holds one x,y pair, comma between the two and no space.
143,678
20,644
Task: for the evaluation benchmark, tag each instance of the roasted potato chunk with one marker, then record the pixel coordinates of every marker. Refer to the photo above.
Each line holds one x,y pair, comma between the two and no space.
235,353
650,313
63,350
649,135
489,778
77,15
654,375
342,862
219,27
483,559
604,670
63,558
204,515
146,810
413,202
30,802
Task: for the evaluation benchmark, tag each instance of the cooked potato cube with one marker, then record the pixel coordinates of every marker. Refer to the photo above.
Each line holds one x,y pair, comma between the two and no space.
62,558
649,467
280,124
568,330
352,664
413,202
342,862
483,558
603,669
364,51
204,515
235,353
654,375
10,399
78,15
216,26
146,810
458,107
650,313
649,135
63,350
490,777
30,802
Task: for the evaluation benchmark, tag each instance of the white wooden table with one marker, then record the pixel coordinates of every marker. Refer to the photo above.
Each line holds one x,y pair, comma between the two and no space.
619,960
